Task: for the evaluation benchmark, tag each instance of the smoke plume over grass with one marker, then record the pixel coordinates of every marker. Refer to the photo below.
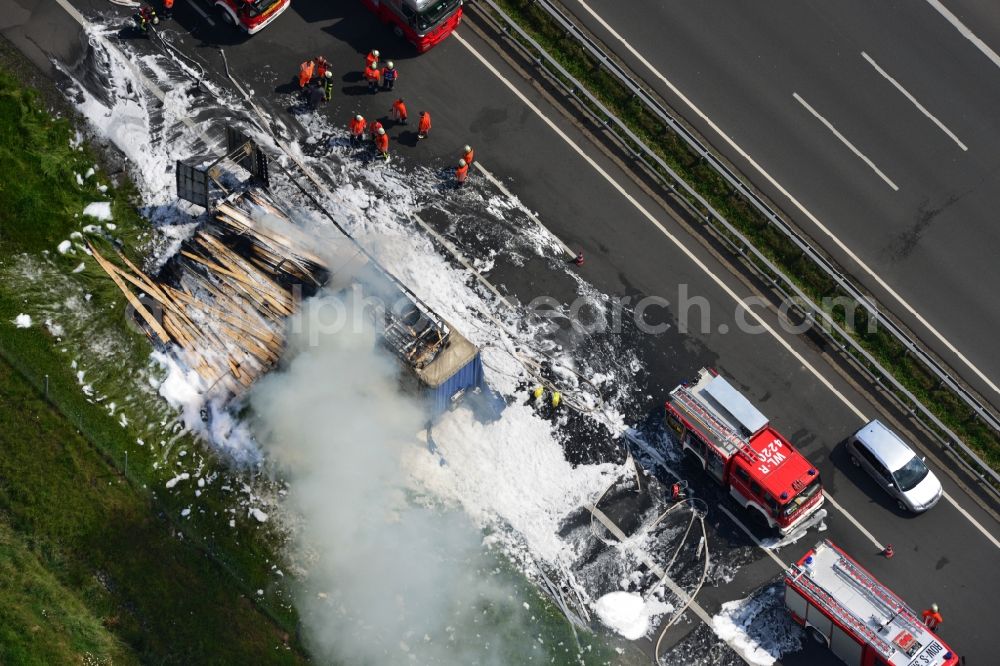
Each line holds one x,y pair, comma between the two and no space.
388,579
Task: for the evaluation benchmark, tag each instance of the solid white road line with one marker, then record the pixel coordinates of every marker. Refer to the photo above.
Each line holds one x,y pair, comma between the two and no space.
795,202
503,188
913,99
739,524
972,520
979,44
843,139
683,248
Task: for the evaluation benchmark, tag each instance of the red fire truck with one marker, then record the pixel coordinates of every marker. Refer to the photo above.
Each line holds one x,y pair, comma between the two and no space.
250,15
842,606
424,23
737,446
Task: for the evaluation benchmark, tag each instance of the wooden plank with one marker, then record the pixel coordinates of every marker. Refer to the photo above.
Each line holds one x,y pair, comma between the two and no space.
255,292
262,334
230,260
184,328
139,307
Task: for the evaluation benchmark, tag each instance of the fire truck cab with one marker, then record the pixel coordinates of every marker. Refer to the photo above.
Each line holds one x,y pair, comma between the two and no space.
251,16
737,446
424,23
862,622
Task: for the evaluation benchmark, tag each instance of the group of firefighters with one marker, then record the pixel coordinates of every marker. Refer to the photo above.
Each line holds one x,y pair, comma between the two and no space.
316,81
315,75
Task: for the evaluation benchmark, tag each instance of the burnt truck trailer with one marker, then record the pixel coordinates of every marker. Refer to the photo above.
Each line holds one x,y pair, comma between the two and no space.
221,303
441,364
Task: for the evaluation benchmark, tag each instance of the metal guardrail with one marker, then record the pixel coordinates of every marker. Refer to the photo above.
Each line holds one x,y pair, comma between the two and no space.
628,140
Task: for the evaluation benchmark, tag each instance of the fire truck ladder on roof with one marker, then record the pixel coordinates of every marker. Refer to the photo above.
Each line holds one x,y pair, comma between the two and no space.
683,395
840,613
895,606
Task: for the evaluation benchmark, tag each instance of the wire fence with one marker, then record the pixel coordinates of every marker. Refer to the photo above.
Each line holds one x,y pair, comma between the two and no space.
94,426
697,206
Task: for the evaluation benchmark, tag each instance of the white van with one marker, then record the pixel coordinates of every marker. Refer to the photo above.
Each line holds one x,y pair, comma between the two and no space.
894,466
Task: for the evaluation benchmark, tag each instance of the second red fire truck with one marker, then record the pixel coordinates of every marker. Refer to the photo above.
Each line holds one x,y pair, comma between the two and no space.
423,23
842,606
738,448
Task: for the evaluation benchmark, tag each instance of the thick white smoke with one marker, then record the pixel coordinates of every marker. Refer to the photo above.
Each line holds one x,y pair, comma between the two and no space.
388,580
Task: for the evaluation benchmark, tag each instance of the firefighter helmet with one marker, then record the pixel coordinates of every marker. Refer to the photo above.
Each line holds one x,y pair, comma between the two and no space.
390,65
934,607
381,130
467,149
461,163
375,53
328,74
359,117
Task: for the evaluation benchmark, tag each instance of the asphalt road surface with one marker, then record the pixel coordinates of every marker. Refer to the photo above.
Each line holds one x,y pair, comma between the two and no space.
580,195
911,196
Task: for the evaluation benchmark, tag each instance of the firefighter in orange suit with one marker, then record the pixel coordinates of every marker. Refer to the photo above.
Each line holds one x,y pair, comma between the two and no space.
357,128
371,59
398,111
461,172
424,126
306,71
322,67
932,618
382,143
468,155
373,76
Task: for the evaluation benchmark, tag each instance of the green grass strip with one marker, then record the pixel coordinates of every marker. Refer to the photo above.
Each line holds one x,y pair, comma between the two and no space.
168,590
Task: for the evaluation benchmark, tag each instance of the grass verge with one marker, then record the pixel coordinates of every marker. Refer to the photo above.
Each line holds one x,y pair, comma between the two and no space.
134,576
880,343
92,571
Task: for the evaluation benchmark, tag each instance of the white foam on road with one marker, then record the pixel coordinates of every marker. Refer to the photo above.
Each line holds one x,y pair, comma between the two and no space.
628,614
759,628
509,472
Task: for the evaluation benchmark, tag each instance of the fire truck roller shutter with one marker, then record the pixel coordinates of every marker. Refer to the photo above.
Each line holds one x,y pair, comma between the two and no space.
795,602
821,623
715,465
845,647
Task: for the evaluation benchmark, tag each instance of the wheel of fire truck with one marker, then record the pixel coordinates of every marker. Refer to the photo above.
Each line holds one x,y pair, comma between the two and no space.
815,634
755,517
225,15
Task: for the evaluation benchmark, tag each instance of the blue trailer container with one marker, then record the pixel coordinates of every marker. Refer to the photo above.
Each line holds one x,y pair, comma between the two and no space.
457,369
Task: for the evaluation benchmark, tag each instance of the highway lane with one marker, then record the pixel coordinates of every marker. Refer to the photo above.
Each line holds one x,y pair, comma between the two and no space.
627,255
931,241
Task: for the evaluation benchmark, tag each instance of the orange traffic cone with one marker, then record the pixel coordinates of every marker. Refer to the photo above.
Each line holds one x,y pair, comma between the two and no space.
888,552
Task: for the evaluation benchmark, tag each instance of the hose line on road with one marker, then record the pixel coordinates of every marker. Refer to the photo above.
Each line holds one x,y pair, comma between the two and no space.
698,511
